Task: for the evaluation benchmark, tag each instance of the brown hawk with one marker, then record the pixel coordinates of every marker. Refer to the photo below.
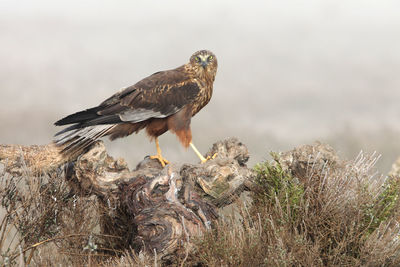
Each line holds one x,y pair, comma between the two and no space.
166,100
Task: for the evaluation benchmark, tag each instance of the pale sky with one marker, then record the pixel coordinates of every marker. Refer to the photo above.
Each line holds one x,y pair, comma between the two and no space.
290,72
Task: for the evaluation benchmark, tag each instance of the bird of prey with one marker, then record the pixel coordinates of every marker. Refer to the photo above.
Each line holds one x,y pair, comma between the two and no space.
166,100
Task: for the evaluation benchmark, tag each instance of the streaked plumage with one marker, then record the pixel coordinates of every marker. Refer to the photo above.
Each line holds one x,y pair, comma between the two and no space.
163,101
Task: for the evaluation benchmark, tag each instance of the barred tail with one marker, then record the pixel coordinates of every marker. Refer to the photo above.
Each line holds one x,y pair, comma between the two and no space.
75,140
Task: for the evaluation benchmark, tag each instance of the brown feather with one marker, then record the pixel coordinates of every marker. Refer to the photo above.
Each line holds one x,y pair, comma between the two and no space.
125,129
156,127
179,123
166,100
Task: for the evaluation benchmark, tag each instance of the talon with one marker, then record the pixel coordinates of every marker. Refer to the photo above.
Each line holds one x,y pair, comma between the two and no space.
203,160
209,157
162,160
159,157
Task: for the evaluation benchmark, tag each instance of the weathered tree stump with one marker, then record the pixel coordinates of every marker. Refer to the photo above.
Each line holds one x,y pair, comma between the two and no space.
152,208
37,159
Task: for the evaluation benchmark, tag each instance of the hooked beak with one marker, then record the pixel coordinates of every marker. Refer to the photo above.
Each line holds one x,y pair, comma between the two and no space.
204,64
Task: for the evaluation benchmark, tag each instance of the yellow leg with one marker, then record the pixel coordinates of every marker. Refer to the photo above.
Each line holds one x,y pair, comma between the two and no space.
160,158
203,159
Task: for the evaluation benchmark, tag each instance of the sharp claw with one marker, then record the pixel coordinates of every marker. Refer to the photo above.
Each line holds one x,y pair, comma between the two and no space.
209,157
162,160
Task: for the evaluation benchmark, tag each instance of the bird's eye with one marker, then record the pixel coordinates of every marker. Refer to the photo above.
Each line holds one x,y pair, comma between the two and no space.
210,58
197,59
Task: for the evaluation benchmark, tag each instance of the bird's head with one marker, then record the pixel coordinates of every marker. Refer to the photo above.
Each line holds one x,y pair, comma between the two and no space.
204,62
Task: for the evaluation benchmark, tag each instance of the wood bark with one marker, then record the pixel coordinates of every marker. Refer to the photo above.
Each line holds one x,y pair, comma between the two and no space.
152,208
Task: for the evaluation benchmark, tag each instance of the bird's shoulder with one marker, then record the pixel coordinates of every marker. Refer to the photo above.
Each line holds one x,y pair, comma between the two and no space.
168,78
159,86
163,92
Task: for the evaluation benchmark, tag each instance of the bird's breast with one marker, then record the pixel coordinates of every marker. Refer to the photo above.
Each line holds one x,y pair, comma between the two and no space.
202,99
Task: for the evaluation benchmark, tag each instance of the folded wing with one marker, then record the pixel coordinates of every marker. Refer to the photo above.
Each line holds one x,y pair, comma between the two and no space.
157,96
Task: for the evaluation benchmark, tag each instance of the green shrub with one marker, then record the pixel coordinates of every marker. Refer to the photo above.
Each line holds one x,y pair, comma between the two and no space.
279,188
339,215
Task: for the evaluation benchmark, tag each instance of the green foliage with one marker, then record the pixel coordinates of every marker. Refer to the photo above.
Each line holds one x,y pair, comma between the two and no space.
340,215
386,205
277,186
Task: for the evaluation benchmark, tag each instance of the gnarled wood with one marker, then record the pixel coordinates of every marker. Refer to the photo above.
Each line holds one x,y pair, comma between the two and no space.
37,159
151,208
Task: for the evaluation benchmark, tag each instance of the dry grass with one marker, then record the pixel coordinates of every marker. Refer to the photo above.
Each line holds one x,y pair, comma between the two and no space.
334,216
43,216
341,216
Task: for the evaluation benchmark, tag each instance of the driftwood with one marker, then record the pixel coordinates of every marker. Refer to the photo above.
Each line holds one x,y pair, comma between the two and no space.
152,208
38,159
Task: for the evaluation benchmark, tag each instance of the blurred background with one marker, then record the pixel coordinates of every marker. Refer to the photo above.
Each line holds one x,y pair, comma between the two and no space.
290,72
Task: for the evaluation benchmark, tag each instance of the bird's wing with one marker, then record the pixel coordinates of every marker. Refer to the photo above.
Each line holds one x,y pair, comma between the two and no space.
157,96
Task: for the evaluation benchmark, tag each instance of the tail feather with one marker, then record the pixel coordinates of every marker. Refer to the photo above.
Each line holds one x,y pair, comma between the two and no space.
87,126
68,129
75,140
89,141
79,117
